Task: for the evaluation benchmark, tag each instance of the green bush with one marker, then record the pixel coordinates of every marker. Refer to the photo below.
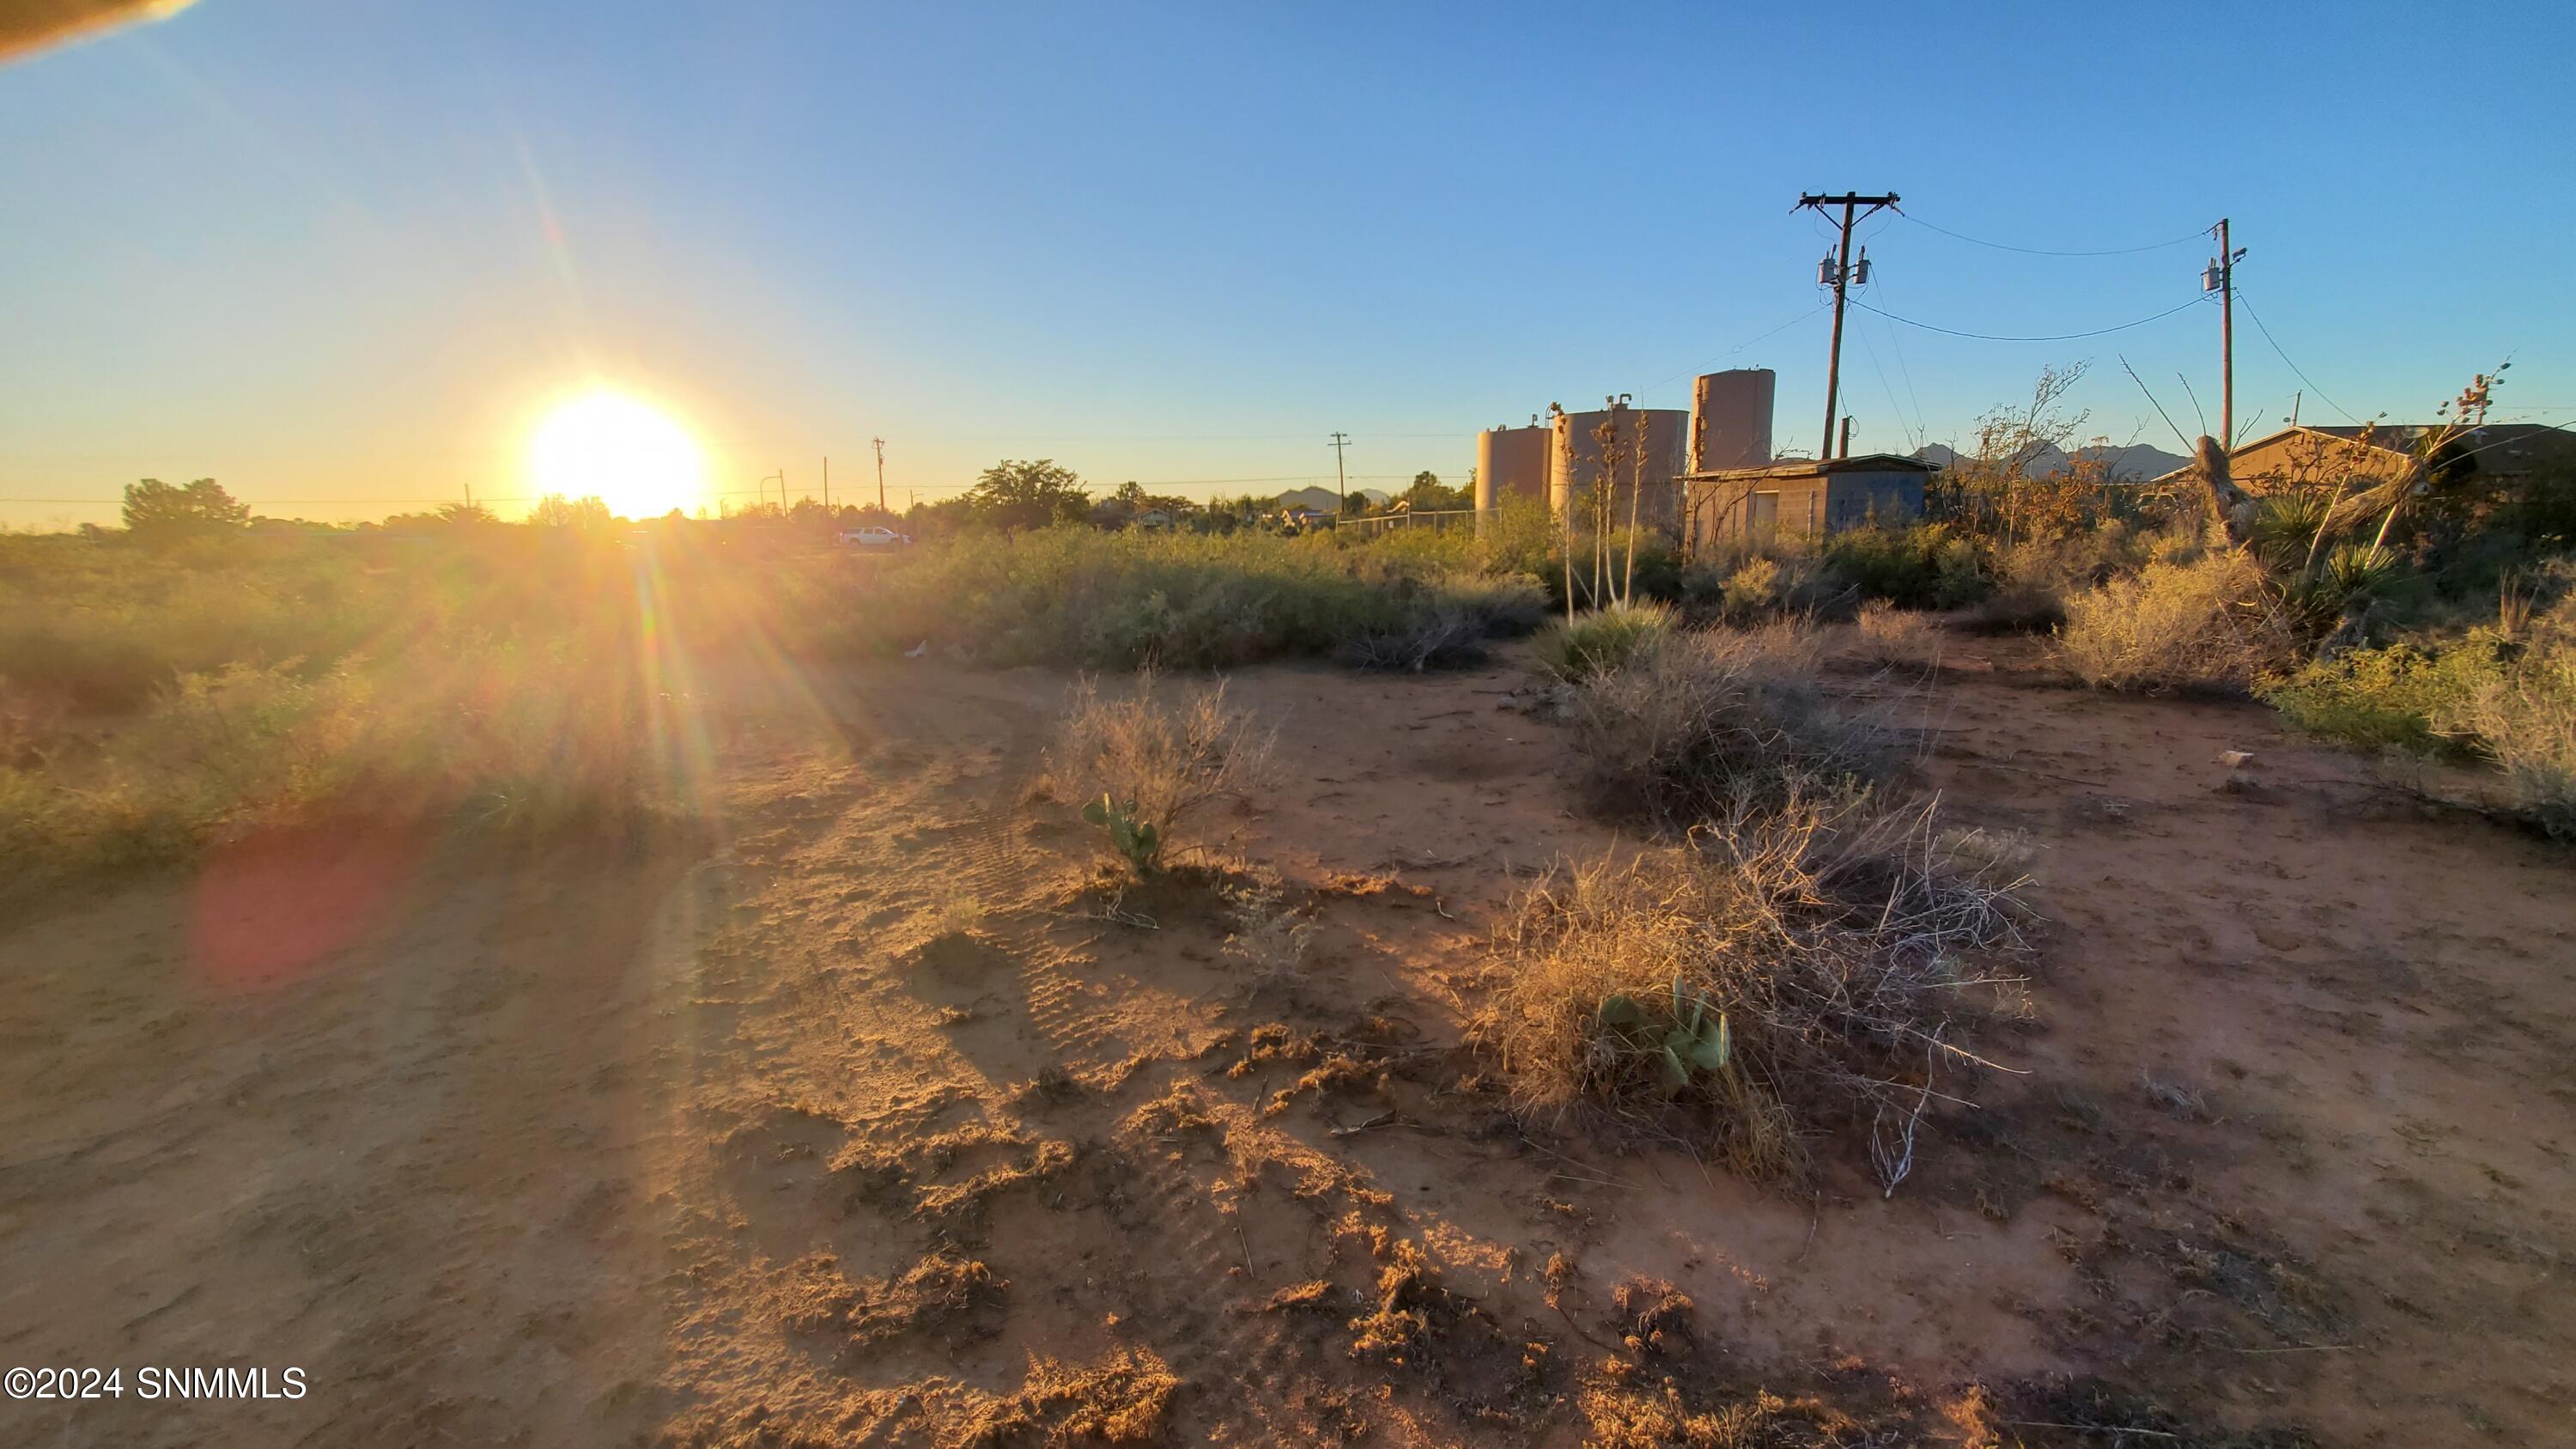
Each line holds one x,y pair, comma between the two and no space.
1518,536
1926,566
1602,641
2388,698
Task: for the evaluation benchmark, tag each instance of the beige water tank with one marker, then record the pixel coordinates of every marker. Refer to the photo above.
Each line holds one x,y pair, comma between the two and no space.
1510,463
1575,469
1731,419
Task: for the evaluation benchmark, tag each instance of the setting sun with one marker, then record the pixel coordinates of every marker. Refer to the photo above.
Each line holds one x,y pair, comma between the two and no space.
626,452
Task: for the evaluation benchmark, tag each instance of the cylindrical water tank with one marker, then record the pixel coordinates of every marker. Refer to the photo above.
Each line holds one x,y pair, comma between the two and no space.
1510,463
1652,444
1731,419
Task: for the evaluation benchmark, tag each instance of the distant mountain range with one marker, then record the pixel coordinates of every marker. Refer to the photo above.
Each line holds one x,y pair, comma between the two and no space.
2133,464
1325,498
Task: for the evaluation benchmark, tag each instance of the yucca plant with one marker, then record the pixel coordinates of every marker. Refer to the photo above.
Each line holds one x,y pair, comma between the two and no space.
2283,532
2349,578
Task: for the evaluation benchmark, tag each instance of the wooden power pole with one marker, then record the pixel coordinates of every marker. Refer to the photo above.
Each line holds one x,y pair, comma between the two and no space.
880,444
1341,481
1841,278
2221,278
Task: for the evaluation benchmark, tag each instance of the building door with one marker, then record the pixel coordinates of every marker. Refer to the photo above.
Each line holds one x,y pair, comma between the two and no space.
1765,520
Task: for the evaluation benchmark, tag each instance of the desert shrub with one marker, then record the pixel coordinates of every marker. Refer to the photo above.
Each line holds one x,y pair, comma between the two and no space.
1602,641
538,742
2527,722
1656,572
1832,944
2072,562
1703,725
1517,536
2015,607
1155,761
1181,601
1780,583
2205,624
1893,636
2391,698
1437,638
1504,606
1757,587
1926,566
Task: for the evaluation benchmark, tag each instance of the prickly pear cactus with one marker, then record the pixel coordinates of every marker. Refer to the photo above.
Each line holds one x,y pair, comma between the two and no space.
1135,839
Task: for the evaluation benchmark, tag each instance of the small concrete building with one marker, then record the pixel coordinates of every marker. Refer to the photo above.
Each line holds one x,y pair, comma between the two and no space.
1802,497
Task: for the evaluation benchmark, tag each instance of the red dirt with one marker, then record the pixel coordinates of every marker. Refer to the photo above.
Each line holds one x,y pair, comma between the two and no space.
868,1127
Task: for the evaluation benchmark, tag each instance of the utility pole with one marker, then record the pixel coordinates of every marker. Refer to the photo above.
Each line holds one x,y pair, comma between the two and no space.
827,483
880,442
1838,271
1341,480
2220,277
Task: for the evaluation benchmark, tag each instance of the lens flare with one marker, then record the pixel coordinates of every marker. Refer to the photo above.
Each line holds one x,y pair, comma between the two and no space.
629,454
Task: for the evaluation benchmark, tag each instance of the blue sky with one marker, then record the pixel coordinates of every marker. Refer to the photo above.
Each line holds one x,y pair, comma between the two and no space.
340,256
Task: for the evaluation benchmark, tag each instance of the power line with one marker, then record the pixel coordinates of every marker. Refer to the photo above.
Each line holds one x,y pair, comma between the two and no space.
2047,251
1990,337
2285,357
1748,342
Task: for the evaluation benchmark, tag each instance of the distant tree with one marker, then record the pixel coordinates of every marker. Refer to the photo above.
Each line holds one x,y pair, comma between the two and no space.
586,515
155,512
1028,494
466,514
1426,495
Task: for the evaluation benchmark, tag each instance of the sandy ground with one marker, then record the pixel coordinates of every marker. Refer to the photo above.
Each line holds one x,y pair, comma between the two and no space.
871,1122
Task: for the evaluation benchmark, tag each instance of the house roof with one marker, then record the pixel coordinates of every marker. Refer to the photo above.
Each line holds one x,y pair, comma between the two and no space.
1802,467
2497,447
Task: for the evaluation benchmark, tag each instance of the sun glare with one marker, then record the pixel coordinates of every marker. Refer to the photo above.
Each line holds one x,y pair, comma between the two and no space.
628,453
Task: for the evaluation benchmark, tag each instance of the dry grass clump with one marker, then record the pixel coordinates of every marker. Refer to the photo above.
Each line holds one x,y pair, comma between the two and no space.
1636,1416
1817,967
1700,724
1602,641
1161,760
1123,1399
2526,719
1897,637
1437,638
1269,937
944,1295
2207,623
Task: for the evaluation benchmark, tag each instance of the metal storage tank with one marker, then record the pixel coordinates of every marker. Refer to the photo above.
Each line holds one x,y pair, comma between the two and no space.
1731,419
1510,463
1574,461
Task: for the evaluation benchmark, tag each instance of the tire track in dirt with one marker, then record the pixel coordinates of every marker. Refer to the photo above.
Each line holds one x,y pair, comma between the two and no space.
1202,1307
983,859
